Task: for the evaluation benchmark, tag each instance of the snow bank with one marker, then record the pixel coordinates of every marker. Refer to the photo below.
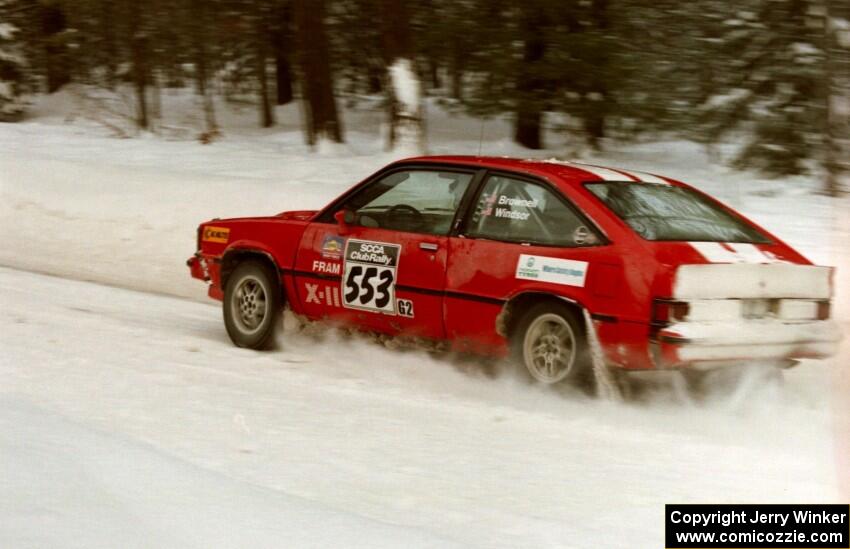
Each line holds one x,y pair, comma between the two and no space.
342,437
68,484
129,419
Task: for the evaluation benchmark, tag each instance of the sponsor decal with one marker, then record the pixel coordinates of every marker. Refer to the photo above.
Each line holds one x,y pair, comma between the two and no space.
405,307
332,247
369,275
326,267
581,235
517,202
216,234
322,294
549,269
503,206
487,206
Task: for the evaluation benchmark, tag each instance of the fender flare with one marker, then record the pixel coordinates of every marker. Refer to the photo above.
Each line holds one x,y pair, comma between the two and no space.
238,248
505,316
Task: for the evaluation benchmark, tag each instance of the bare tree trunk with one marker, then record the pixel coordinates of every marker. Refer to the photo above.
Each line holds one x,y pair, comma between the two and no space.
456,71
434,73
529,111
374,82
155,118
837,160
321,119
260,60
139,58
53,26
200,38
282,46
527,126
405,129
110,52
596,101
283,79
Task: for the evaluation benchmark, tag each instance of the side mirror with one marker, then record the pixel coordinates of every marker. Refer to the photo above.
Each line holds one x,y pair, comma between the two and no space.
344,218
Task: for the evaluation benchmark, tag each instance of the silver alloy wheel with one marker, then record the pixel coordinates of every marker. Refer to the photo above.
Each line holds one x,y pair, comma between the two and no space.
248,304
549,348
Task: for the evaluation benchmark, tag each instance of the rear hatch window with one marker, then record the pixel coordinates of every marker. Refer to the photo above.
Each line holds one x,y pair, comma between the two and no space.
667,212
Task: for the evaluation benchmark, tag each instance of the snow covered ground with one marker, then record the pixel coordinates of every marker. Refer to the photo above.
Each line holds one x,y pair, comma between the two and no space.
128,419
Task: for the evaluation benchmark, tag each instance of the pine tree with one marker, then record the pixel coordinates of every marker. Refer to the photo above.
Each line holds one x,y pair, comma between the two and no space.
769,63
837,162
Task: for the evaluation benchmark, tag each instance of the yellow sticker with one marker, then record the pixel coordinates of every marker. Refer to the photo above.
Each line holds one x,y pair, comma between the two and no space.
216,234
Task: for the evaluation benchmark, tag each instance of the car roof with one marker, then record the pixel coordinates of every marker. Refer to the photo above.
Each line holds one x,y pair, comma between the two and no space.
563,170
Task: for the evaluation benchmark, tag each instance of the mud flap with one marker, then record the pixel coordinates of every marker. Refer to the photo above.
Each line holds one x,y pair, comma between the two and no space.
606,384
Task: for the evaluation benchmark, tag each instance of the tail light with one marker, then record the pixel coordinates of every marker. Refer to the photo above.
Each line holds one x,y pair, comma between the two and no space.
824,308
667,311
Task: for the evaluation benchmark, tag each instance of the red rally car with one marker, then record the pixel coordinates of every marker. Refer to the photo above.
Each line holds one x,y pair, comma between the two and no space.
554,262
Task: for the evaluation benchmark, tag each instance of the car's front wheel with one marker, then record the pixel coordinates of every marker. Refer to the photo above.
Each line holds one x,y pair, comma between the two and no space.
550,342
252,305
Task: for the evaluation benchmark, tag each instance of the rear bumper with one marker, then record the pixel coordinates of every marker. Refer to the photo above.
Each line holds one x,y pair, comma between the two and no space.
710,343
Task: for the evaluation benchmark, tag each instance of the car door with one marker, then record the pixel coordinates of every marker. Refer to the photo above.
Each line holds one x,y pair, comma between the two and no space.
385,268
521,234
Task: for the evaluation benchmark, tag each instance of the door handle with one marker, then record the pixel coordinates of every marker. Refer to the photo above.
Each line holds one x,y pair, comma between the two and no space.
428,246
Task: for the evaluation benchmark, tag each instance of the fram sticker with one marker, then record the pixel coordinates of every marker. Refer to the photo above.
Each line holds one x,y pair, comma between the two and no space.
216,234
322,294
327,267
549,269
332,247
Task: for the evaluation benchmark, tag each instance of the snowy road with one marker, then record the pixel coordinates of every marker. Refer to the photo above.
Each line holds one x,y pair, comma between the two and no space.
128,419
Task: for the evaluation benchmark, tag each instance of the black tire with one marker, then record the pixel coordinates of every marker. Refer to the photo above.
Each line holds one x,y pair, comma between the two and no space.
252,305
539,342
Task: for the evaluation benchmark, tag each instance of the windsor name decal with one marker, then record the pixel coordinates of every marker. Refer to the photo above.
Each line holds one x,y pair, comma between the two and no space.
369,276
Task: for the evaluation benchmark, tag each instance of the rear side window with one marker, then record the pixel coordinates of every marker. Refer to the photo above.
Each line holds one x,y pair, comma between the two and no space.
516,210
667,212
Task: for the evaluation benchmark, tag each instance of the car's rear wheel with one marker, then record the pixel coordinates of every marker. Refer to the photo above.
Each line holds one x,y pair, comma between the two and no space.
549,341
252,305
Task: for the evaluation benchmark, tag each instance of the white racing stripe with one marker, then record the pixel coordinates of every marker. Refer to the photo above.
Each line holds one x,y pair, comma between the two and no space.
732,252
714,252
604,173
611,174
648,177
750,254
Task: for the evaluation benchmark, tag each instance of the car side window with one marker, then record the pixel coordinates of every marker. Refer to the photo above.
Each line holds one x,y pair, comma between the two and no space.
516,210
418,201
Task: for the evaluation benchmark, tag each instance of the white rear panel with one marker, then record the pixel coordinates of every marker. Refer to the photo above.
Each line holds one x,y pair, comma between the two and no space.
745,280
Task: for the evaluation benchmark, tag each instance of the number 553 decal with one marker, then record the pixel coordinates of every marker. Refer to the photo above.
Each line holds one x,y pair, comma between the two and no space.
369,275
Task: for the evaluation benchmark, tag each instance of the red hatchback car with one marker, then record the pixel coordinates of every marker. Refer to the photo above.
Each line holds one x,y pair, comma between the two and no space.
552,261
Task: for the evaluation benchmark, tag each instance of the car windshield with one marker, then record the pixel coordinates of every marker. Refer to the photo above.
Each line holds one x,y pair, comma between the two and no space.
668,212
